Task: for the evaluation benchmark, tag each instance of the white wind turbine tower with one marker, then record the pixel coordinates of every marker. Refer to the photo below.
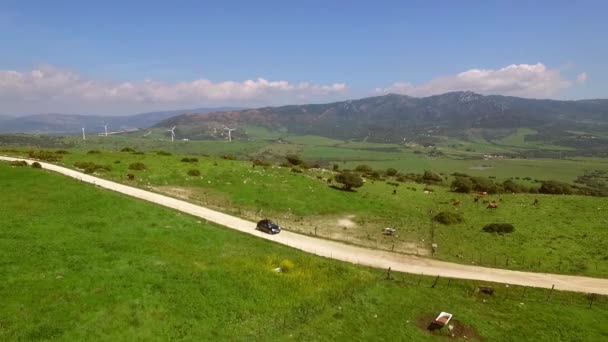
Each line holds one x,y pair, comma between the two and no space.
105,126
84,137
172,130
229,132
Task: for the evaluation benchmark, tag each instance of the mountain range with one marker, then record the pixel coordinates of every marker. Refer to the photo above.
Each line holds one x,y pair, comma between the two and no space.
70,123
395,118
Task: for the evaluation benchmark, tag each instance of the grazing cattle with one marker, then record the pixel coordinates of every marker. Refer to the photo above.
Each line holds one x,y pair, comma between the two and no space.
131,176
536,202
492,205
456,202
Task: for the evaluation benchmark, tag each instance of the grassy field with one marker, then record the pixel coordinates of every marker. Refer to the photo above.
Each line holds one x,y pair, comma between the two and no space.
564,234
80,263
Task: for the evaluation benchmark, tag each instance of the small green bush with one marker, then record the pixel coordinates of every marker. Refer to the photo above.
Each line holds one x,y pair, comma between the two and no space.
286,265
296,170
36,165
94,152
194,173
189,160
19,163
127,149
163,153
447,218
45,155
364,168
499,228
390,172
137,166
62,152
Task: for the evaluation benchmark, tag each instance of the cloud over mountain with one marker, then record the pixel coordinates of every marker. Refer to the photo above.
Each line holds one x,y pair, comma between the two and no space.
57,88
525,80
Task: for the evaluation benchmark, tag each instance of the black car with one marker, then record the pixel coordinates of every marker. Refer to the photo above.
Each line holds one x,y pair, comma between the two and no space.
268,226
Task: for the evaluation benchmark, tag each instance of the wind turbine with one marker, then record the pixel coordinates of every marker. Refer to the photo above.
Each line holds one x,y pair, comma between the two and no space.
172,130
229,132
84,137
106,128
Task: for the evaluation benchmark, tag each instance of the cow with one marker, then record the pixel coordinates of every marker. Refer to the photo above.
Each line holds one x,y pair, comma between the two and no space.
456,202
131,176
536,202
492,205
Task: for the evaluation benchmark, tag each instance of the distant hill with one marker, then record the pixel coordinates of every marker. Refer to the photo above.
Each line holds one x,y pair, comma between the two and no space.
393,118
68,123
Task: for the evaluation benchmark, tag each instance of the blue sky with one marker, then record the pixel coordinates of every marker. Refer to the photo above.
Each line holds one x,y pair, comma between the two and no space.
123,56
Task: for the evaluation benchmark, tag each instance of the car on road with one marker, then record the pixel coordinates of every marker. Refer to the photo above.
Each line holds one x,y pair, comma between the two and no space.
267,226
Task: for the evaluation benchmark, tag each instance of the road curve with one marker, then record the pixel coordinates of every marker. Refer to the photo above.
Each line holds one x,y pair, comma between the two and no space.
349,253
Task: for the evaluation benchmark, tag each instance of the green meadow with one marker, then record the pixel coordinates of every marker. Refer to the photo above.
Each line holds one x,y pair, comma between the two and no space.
563,234
82,263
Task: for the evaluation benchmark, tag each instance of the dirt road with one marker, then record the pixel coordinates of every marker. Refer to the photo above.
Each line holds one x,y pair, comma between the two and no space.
349,253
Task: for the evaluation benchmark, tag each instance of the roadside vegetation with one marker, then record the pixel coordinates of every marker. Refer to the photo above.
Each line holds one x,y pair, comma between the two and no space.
136,271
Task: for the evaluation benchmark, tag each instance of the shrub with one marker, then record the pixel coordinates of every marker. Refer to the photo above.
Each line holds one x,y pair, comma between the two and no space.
90,167
286,265
294,159
335,167
127,149
349,180
555,187
189,160
374,175
138,152
512,186
94,152
447,218
229,157
364,168
45,155
194,173
18,163
296,170
499,228
462,184
258,162
482,184
163,153
390,172
62,152
137,166
36,165
285,164
431,178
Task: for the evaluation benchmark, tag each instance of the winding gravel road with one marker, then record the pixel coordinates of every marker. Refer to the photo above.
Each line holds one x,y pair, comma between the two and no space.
349,253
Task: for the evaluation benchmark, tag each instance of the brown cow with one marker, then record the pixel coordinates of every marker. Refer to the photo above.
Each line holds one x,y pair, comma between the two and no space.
456,202
131,176
492,205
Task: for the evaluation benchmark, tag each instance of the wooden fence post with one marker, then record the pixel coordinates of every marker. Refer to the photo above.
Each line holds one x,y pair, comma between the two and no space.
550,292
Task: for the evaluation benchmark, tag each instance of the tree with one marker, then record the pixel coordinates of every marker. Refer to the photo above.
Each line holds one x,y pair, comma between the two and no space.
349,180
462,184
364,168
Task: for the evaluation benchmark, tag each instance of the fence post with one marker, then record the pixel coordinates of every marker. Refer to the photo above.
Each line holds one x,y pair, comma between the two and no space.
435,283
449,282
550,292
388,274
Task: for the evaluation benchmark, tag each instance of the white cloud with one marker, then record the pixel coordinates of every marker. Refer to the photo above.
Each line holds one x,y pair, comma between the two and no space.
581,78
526,80
51,89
